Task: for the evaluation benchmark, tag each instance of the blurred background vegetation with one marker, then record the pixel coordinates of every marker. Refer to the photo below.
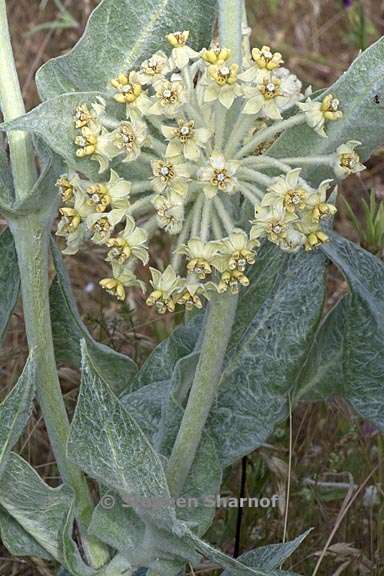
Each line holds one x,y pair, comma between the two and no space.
333,451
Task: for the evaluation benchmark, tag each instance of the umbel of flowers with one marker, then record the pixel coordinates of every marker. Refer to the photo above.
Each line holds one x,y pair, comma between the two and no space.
197,127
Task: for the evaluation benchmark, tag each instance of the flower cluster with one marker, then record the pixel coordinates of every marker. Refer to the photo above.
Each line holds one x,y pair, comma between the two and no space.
182,145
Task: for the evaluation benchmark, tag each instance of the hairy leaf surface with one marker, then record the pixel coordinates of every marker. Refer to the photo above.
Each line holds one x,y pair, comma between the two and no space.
9,279
15,411
272,556
107,443
17,540
37,508
119,35
361,346
264,364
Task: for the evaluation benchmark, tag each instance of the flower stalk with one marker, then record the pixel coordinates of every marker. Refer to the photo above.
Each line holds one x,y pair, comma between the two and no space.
220,318
218,328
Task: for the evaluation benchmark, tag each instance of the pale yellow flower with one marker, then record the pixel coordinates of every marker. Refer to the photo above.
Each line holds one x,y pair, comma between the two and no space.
268,97
181,53
123,278
154,68
71,225
129,91
170,175
200,256
221,84
67,183
317,113
288,191
271,222
131,242
170,211
317,203
235,252
169,97
165,286
219,175
125,141
192,292
102,225
215,55
185,139
347,160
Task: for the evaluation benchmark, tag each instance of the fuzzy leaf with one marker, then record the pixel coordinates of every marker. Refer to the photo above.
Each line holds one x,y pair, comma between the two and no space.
117,369
9,279
233,566
6,181
263,366
15,411
71,555
363,334
272,556
363,118
17,541
37,508
107,443
116,524
322,376
119,35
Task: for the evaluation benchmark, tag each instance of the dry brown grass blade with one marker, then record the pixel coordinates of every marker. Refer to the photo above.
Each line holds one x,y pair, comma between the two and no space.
347,503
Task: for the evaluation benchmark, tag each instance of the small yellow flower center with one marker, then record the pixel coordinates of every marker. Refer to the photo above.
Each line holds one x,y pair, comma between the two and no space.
220,178
349,161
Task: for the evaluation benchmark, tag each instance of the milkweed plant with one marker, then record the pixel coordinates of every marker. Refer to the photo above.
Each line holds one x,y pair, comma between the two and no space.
164,122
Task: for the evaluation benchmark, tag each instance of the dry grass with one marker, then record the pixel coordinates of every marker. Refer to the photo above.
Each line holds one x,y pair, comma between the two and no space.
331,446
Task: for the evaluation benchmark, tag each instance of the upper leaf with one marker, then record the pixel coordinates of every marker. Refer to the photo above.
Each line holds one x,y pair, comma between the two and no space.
120,34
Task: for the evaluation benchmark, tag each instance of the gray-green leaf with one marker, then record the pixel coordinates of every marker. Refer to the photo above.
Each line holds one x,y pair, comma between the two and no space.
9,279
119,35
107,443
17,541
360,352
37,508
15,411
272,556
263,366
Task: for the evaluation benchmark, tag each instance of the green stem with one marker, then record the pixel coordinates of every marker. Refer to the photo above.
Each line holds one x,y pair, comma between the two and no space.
221,315
12,106
220,319
269,133
31,235
230,20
